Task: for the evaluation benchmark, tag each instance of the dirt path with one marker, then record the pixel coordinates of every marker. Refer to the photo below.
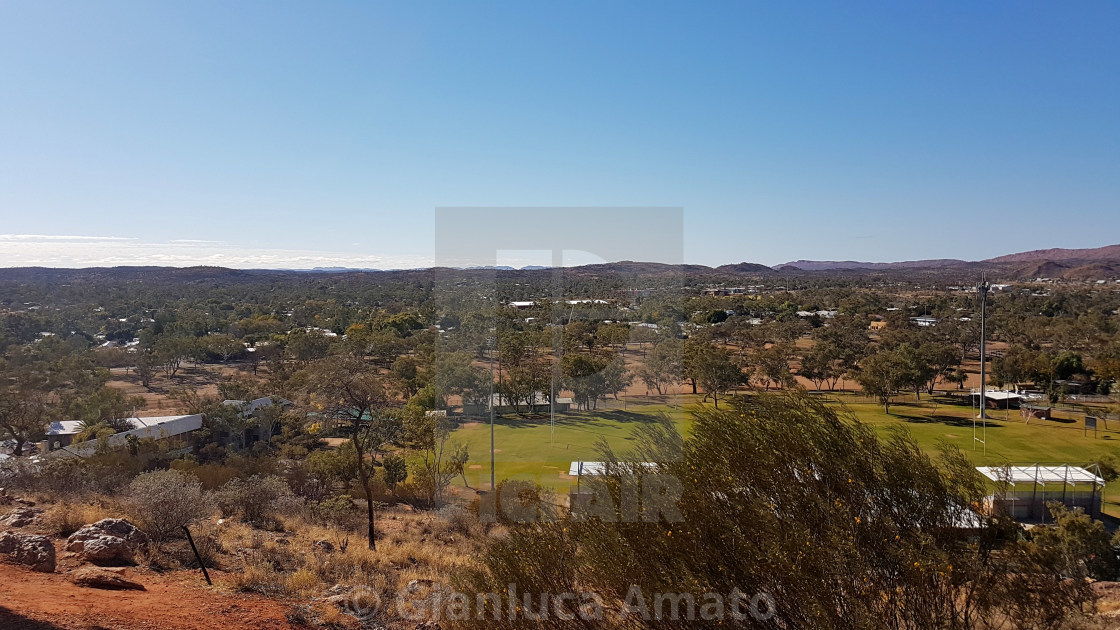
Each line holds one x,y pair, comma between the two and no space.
48,601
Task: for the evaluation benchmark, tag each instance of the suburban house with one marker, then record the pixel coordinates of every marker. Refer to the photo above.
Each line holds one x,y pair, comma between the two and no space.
61,434
253,407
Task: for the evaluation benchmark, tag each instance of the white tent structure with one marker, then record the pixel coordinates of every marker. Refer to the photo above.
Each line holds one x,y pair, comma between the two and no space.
1027,489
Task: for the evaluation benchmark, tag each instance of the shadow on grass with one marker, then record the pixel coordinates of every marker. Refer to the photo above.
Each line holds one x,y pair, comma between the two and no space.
570,419
952,421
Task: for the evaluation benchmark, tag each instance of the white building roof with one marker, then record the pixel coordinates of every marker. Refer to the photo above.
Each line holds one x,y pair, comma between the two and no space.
585,468
997,394
64,427
1040,474
597,468
157,427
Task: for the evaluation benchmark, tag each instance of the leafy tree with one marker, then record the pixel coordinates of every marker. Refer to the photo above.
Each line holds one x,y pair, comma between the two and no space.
455,375
1106,365
939,360
105,405
591,377
25,411
1021,365
406,372
773,365
172,350
582,376
958,377
238,387
351,392
613,335
692,355
304,346
525,381
716,372
440,458
642,335
616,378
1066,365
883,376
662,365
224,346
146,364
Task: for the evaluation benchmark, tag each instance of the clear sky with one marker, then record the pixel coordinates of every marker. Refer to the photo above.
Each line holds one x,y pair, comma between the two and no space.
278,134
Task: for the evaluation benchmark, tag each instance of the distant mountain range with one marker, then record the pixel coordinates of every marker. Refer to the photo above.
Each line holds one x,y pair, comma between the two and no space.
1109,253
1101,263
832,265
1073,264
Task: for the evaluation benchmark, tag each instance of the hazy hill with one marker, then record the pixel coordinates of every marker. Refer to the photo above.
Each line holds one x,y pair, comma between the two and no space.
831,265
1071,264
1107,253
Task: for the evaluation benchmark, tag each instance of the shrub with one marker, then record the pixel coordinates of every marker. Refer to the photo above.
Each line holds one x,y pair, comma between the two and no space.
256,499
164,501
68,477
331,466
340,511
214,476
514,501
396,470
458,520
1109,467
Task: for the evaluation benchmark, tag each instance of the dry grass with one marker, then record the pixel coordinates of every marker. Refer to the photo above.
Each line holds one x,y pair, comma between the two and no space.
287,562
412,546
63,519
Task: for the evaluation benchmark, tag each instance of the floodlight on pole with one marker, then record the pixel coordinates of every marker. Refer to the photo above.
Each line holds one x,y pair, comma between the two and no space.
983,349
490,347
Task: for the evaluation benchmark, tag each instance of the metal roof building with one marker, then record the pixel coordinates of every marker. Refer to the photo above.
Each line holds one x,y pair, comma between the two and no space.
1027,489
158,428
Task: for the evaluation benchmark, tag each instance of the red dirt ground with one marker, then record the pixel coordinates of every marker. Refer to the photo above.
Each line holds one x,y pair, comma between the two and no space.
179,600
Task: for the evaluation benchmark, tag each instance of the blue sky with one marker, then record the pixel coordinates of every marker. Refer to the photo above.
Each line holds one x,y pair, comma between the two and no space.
280,134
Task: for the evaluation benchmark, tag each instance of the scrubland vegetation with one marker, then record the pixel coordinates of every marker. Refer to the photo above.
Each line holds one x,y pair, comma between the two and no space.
778,444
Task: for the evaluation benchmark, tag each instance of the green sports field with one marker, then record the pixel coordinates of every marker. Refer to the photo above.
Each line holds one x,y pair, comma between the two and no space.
530,448
534,449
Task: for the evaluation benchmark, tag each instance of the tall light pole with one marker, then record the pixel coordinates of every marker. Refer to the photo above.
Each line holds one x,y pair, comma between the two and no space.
983,351
490,345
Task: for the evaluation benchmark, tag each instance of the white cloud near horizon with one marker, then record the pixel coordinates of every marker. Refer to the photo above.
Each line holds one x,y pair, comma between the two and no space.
77,251
54,238
43,250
